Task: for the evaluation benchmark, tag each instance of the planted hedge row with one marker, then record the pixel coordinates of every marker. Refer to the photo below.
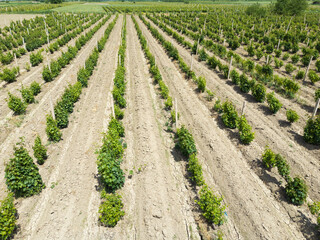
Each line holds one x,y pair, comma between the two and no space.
64,107
209,203
51,71
246,135
111,152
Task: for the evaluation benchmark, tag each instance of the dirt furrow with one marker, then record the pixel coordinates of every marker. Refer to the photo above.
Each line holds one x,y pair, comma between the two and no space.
157,203
35,120
255,211
272,130
68,207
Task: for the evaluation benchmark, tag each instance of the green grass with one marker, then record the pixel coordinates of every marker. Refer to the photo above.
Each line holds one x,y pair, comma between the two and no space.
82,7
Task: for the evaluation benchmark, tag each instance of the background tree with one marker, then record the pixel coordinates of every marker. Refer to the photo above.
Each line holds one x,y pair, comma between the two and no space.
290,7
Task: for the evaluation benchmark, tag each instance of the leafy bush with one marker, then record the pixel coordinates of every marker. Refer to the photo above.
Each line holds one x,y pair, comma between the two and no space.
83,77
273,102
52,130
278,63
285,56
35,88
36,58
289,68
210,95
230,115
185,142
168,103
201,84
235,77
317,94
22,175
195,169
300,74
117,126
203,55
312,131
61,115
118,112
318,65
245,84
8,75
211,206
8,217
313,76
268,158
218,106
245,130
110,209
16,104
118,98
296,191
39,151
315,210
259,92
46,74
283,167
292,116
27,95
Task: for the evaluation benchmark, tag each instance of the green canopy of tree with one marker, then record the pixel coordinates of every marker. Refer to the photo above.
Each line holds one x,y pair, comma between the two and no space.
290,7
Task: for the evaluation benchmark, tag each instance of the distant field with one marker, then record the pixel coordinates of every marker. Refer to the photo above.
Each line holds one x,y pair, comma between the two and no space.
82,7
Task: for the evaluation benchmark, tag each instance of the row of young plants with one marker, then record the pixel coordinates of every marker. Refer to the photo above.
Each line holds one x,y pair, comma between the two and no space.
66,37
52,70
64,106
34,31
305,57
31,7
21,173
258,90
110,154
23,180
229,117
266,39
209,203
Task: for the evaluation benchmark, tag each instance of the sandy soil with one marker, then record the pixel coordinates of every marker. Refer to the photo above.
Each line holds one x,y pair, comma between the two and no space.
256,209
7,18
68,207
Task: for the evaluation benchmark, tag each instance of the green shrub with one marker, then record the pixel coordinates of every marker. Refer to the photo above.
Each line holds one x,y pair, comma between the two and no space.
285,56
117,126
36,58
318,65
52,130
267,70
27,95
269,158
201,84
195,170
118,112
39,151
35,88
313,76
292,116
16,104
317,94
8,217
245,130
218,106
8,75
118,98
46,74
230,115
168,103
110,209
315,210
235,77
300,75
211,206
185,142
278,63
210,95
83,77
164,91
22,175
295,59
273,102
312,131
289,68
283,167
61,115
259,92
203,55
245,84
296,191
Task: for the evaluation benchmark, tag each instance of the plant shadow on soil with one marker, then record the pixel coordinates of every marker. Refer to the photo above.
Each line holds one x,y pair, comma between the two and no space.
300,140
284,123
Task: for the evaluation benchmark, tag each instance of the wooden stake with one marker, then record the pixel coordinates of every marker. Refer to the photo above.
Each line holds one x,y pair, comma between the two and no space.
305,75
243,107
278,44
176,108
15,58
52,109
289,25
316,108
112,106
230,65
267,61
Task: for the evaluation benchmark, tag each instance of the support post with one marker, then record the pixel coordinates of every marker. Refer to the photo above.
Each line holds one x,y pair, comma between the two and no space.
230,65
243,107
305,75
316,108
